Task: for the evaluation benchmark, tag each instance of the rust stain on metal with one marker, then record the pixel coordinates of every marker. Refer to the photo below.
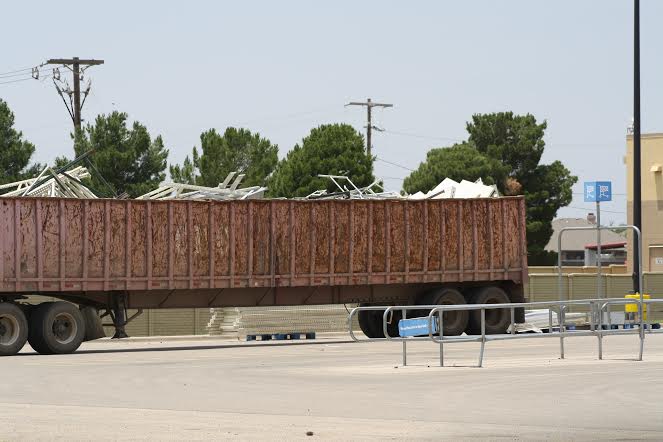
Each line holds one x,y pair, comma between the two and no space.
142,245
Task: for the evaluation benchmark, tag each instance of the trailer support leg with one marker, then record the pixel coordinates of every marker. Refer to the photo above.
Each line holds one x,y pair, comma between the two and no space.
119,315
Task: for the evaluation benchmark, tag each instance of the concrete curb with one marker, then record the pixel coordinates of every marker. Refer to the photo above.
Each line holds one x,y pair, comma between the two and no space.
208,338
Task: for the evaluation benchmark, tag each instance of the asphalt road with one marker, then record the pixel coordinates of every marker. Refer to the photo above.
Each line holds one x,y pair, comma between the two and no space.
211,389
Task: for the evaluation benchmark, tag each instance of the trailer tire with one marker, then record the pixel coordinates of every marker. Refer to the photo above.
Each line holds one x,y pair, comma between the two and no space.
370,322
13,329
497,320
454,322
56,328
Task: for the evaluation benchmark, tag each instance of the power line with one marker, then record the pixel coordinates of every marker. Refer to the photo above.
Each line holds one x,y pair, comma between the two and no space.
21,70
585,209
406,134
16,81
23,74
26,79
394,164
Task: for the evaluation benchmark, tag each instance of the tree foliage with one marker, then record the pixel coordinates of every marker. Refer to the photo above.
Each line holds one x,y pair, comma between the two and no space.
127,158
237,150
15,152
458,162
515,140
333,149
505,149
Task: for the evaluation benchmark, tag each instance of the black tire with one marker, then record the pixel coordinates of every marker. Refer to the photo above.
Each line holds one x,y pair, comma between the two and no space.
56,328
370,322
497,320
13,329
454,322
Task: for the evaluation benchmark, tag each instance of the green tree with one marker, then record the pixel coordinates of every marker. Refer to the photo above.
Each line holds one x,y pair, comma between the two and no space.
458,162
333,149
186,173
516,143
515,140
128,159
15,152
237,150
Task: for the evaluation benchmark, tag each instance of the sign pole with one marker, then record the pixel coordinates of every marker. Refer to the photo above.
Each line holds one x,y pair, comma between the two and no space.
595,192
599,285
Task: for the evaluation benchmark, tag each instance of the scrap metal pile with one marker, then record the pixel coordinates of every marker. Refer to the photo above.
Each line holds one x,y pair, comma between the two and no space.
224,191
448,188
50,183
68,182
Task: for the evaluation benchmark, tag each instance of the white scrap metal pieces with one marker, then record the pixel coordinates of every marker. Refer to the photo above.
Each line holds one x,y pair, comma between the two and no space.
66,184
224,191
375,190
449,188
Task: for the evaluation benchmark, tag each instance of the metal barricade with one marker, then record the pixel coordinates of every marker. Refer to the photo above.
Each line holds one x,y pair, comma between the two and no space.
597,328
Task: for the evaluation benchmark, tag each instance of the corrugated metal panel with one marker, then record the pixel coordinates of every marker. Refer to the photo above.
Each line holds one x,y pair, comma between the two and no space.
543,287
70,245
617,286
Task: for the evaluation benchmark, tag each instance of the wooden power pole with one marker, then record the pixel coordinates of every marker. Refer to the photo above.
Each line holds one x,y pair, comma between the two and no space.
74,64
369,126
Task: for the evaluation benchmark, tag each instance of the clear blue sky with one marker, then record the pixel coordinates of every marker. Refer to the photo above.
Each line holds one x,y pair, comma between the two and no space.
281,68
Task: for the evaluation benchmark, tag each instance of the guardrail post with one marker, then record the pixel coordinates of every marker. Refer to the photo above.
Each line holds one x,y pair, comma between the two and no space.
513,321
642,329
560,320
404,342
600,328
483,336
441,337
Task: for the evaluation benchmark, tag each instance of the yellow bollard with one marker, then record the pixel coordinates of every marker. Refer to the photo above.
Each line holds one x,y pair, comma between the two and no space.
631,310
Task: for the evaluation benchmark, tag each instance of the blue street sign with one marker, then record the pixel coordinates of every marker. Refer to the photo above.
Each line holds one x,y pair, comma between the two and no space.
597,191
415,327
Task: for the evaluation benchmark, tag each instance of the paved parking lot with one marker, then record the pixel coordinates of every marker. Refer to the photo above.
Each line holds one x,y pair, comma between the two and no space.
212,389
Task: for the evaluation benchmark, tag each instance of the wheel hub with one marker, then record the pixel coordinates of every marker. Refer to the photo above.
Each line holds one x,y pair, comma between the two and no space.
8,330
64,328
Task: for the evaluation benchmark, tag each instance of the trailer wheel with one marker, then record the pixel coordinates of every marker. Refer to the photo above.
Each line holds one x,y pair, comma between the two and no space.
497,320
13,329
454,322
56,328
370,322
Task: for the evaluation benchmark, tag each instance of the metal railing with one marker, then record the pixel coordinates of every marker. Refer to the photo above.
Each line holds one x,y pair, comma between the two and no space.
597,327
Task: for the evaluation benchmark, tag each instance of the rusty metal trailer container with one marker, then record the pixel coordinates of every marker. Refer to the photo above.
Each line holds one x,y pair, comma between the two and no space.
118,254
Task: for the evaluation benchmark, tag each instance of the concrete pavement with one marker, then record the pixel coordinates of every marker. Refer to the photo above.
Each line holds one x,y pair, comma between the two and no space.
211,389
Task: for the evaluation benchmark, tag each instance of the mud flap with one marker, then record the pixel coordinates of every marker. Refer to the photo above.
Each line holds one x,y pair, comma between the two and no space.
93,326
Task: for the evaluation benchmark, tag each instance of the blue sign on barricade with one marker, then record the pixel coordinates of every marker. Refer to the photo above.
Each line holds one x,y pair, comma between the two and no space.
415,327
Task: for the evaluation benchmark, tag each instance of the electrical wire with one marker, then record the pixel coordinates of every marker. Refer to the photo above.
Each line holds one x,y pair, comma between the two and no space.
585,209
23,74
16,72
394,164
408,134
26,79
9,73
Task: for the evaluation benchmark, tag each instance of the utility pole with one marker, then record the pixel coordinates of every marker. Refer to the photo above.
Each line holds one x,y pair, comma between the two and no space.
369,126
637,181
75,106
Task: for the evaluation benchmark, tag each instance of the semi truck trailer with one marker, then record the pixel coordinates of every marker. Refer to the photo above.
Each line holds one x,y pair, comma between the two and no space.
101,257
